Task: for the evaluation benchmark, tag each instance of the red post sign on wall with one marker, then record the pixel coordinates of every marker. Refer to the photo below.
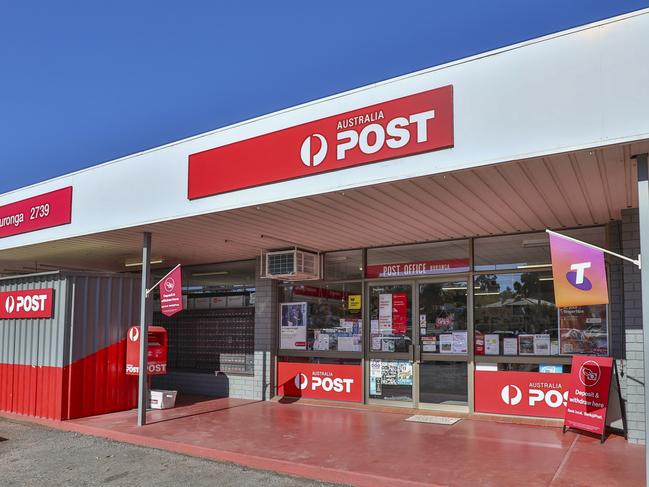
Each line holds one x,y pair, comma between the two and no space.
35,303
42,211
521,393
320,381
588,395
413,124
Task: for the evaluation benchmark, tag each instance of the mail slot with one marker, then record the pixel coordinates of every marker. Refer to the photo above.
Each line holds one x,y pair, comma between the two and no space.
157,361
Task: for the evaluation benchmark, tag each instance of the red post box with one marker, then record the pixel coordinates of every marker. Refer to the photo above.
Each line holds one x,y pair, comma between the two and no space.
157,361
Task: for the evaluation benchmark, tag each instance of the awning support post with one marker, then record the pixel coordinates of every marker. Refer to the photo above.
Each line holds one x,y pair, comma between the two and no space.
643,208
143,389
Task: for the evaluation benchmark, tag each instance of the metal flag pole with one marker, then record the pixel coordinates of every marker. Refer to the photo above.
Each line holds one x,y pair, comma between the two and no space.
586,244
643,210
143,389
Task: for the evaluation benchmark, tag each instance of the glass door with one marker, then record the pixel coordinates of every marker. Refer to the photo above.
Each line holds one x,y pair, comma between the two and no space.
443,344
391,344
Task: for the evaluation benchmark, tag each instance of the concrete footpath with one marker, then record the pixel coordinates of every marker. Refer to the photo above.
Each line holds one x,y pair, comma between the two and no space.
365,447
35,456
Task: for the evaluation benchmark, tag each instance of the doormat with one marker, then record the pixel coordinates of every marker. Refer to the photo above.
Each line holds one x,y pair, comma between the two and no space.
423,418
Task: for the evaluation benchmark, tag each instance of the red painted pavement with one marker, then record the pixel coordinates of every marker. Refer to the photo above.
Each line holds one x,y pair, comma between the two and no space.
375,448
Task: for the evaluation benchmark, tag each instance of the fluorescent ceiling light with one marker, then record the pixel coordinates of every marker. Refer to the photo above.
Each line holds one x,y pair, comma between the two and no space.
542,242
533,266
486,294
454,288
214,273
139,264
546,278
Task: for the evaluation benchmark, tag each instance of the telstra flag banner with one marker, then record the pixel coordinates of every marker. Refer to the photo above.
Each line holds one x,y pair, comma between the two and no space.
579,273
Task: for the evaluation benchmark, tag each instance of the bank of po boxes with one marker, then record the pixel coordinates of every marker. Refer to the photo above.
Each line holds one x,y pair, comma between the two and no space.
236,363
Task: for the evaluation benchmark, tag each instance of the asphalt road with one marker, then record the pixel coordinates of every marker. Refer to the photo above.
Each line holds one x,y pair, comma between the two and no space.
32,455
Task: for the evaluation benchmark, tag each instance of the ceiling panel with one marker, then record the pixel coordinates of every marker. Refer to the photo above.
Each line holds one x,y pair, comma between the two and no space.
565,190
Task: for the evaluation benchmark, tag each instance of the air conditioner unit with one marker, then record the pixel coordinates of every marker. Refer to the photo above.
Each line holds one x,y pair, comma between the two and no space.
292,265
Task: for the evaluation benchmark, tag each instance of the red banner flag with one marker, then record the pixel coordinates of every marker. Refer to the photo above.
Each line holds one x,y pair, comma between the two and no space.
171,292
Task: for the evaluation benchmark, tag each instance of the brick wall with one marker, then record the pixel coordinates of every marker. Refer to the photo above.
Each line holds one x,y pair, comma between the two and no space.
632,366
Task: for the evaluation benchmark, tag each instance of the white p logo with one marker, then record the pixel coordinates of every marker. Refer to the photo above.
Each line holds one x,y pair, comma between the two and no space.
301,381
10,304
309,159
508,398
134,334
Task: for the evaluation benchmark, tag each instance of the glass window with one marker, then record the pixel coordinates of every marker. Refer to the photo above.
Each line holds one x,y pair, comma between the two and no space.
347,264
545,368
418,260
525,251
443,383
391,318
321,317
443,317
515,314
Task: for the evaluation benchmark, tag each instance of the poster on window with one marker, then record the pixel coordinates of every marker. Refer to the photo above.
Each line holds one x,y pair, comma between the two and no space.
583,330
399,313
293,326
385,313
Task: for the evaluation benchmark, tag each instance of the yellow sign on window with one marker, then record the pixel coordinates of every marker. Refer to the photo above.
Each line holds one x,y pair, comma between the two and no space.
354,302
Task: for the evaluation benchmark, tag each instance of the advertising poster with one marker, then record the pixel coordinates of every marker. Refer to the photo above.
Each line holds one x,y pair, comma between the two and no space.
541,344
389,372
446,343
429,344
320,341
293,326
526,344
583,330
385,313
492,344
588,394
354,302
399,313
510,346
459,341
478,343
404,373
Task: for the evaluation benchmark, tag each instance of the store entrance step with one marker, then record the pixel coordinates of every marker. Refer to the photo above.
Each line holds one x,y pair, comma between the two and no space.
423,418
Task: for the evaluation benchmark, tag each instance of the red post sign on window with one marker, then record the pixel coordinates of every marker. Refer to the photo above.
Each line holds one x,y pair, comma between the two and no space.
588,394
399,313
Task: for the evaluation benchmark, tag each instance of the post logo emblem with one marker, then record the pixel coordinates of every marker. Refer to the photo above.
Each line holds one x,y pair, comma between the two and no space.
307,154
10,304
589,373
511,395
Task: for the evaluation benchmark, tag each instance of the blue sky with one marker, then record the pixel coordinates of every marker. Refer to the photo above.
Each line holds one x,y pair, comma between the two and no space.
86,82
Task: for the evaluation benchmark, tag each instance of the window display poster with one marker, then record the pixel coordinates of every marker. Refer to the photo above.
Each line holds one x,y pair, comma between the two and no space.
354,302
321,341
541,344
526,344
399,313
385,313
583,330
492,344
429,344
375,368
349,344
404,373
293,326
374,327
389,372
459,341
387,345
446,343
376,343
510,346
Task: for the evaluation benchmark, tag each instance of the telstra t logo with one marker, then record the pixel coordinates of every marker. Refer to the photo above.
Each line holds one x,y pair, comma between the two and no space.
577,278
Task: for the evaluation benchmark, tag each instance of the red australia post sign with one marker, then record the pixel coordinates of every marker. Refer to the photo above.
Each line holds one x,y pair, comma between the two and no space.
171,293
36,213
521,393
35,303
320,381
590,382
413,124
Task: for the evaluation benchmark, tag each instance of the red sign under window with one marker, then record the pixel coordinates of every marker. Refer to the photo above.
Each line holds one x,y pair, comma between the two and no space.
521,393
36,303
42,211
320,381
410,125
